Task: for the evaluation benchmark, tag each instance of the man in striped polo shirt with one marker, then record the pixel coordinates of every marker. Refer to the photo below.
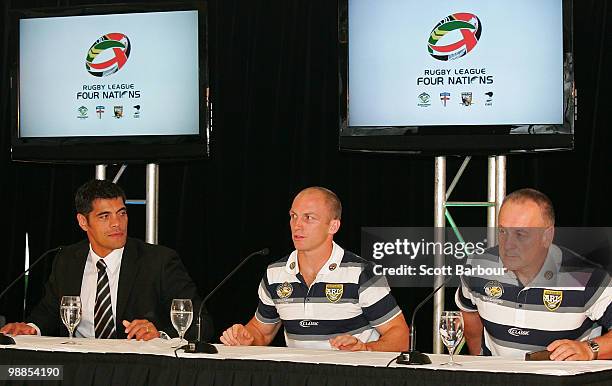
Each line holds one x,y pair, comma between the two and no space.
324,297
549,298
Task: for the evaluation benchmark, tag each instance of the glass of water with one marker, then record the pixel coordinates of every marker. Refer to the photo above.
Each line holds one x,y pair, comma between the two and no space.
181,315
451,332
70,311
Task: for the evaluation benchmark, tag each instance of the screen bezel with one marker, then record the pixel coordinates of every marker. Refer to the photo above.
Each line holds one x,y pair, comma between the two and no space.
452,140
109,149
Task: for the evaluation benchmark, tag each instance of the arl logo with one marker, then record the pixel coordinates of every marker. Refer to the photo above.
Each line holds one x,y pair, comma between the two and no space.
552,299
334,292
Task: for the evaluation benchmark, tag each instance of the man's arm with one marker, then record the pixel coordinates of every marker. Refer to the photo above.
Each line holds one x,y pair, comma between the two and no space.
574,350
394,336
261,329
599,311
255,333
472,331
45,315
44,318
472,323
380,309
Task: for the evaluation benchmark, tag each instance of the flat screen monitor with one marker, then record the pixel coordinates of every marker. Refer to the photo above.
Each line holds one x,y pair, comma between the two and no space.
110,83
456,76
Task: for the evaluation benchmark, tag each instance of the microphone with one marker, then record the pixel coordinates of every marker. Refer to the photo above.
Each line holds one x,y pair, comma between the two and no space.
4,339
202,347
414,357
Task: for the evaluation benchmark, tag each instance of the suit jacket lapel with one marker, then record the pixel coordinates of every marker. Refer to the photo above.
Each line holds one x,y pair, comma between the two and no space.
129,267
76,270
71,280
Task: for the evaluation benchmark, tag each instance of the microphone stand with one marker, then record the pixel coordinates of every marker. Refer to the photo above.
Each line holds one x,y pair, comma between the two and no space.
203,347
5,339
415,357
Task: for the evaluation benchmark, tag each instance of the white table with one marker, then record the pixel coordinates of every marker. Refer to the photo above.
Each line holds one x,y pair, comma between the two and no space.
278,357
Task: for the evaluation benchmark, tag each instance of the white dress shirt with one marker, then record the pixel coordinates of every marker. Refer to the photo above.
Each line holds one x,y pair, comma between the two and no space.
89,285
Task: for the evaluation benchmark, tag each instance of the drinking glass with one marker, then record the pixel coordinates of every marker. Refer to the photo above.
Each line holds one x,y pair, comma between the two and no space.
70,311
451,332
181,314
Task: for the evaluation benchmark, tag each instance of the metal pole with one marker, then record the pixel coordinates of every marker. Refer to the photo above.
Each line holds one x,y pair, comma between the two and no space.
439,224
457,177
500,182
119,173
100,172
492,210
152,203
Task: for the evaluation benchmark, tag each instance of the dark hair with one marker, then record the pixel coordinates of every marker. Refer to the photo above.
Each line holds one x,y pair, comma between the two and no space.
542,200
332,199
95,189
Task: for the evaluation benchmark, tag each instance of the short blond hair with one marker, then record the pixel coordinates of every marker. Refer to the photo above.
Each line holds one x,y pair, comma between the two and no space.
332,200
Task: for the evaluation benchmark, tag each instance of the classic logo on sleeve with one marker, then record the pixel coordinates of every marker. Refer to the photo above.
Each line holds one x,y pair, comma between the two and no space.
334,292
308,323
552,299
518,332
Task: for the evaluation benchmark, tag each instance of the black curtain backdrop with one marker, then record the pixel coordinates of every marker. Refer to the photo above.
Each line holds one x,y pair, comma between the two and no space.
274,88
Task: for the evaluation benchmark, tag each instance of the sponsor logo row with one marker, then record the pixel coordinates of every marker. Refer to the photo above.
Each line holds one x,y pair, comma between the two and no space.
100,111
464,98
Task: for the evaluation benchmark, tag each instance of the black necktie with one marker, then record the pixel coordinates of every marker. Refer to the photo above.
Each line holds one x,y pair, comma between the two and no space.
103,311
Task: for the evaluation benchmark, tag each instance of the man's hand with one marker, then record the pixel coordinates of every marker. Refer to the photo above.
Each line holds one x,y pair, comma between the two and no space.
237,335
570,350
18,329
347,343
141,329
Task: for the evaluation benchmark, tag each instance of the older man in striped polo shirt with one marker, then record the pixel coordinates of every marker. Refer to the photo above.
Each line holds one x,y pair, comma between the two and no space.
549,298
324,296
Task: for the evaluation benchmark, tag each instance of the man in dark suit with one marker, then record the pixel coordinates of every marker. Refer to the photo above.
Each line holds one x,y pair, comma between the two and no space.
126,286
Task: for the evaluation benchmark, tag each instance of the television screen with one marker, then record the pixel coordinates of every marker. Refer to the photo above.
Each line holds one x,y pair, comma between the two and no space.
456,77
111,83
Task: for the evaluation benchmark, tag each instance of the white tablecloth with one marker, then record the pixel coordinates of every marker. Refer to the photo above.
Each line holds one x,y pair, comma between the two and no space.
376,359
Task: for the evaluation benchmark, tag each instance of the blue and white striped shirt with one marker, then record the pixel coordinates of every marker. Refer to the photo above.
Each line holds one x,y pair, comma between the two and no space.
568,299
345,298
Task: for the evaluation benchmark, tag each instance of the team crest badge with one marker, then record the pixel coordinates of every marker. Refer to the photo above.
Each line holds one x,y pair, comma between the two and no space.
334,292
494,289
552,299
284,290
466,98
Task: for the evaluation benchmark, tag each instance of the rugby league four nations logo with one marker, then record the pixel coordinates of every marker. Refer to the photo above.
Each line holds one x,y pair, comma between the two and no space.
120,45
467,24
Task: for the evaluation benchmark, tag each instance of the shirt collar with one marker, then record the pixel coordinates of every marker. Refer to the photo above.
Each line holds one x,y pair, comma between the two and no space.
547,276
549,272
332,263
112,260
